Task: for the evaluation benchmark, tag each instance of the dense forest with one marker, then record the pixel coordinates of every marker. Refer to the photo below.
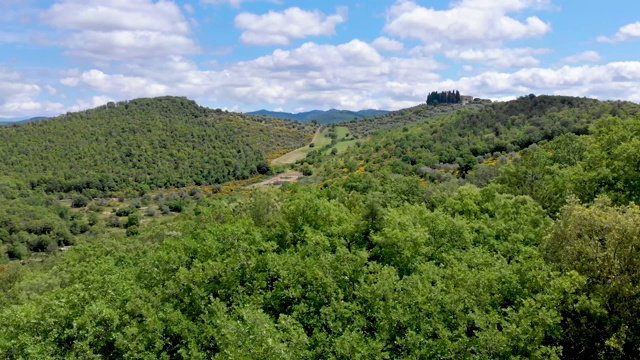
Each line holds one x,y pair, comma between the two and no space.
124,150
143,144
502,231
362,128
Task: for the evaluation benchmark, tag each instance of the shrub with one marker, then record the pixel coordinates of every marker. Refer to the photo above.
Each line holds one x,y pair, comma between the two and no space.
132,220
176,205
151,212
126,211
263,168
79,201
133,231
18,251
113,221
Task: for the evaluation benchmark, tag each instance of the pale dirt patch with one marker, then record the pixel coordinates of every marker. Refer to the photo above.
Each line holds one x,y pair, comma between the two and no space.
287,176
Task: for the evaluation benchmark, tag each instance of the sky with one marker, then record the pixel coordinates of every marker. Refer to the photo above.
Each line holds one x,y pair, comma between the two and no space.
285,55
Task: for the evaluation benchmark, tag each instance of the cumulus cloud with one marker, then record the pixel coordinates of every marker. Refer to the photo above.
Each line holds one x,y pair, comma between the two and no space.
352,75
92,102
499,58
467,21
18,97
236,3
587,56
615,80
278,28
117,30
625,33
383,43
127,86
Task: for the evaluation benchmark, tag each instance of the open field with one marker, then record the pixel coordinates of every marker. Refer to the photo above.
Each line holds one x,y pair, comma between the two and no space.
319,139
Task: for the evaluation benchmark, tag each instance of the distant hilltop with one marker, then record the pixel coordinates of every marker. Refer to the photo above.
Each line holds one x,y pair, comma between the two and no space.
21,120
452,97
322,117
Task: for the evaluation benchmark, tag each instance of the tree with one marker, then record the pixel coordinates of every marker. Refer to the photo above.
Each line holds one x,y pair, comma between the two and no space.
263,168
79,201
602,243
132,220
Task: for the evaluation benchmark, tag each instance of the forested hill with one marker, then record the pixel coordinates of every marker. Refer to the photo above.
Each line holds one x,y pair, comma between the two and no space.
144,143
533,111
463,137
503,232
400,118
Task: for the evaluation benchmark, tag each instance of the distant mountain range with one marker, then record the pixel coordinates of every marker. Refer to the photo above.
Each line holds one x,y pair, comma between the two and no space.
322,117
21,120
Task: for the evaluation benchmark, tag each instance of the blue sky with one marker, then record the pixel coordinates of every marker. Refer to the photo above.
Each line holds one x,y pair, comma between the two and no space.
243,55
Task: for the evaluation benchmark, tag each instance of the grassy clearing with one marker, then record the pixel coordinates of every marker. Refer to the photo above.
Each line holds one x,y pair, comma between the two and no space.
320,139
344,145
342,132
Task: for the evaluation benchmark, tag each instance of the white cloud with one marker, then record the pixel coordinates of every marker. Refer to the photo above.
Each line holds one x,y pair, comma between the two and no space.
587,56
18,97
51,90
123,29
467,21
499,58
122,85
236,3
383,43
625,33
353,75
617,80
278,28
94,101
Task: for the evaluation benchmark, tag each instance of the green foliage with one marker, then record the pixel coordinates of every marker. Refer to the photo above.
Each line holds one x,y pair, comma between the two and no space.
132,230
451,144
263,167
602,243
126,211
18,251
143,144
132,220
375,262
443,97
79,201
305,274
604,163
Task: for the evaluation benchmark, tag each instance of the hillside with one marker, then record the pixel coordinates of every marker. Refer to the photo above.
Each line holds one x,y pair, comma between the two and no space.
504,231
322,117
142,144
464,137
363,127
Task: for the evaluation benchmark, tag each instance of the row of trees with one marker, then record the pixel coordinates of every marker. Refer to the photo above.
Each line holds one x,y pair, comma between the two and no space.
444,97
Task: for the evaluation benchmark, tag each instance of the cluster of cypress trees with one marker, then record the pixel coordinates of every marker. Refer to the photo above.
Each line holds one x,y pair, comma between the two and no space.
443,97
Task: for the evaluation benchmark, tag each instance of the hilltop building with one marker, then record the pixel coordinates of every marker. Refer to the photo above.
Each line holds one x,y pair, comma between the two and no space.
466,99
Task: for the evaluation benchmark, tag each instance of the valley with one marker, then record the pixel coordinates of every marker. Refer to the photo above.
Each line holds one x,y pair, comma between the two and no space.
159,228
